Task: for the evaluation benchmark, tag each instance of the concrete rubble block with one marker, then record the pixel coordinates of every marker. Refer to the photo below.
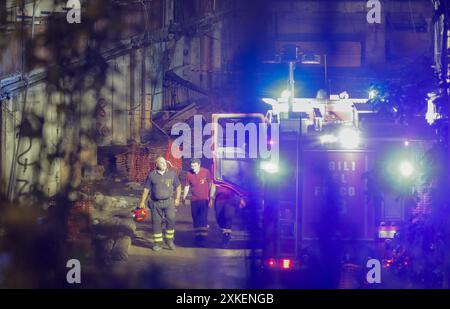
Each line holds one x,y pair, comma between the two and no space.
133,186
119,251
101,202
115,226
104,202
122,203
98,197
133,200
76,195
103,246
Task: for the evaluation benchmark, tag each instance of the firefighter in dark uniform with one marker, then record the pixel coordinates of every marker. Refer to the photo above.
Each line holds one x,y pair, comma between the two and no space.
160,185
225,204
200,184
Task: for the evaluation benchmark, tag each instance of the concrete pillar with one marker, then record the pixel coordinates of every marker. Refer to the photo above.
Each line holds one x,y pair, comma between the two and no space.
168,12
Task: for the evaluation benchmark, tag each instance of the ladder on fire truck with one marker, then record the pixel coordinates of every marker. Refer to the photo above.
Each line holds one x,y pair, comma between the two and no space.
287,192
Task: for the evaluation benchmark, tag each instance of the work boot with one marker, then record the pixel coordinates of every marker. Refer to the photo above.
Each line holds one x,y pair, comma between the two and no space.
156,247
171,245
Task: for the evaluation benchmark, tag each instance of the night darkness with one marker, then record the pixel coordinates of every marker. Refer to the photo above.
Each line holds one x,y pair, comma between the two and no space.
104,104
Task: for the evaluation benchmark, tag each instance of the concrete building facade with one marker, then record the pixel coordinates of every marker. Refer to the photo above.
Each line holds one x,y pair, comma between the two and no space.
173,53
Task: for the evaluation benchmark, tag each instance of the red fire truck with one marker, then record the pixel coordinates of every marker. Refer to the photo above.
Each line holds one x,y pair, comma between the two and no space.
340,174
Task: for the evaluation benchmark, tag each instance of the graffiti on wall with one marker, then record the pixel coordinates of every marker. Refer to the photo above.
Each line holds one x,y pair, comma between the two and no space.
103,130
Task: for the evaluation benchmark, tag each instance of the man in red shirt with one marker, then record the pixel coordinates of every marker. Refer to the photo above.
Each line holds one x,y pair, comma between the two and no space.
199,182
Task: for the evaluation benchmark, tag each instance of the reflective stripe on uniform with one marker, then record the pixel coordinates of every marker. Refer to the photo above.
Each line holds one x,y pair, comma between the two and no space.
226,231
170,234
158,237
201,231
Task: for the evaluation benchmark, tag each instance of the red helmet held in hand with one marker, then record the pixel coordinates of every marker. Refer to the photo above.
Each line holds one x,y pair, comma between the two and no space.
139,214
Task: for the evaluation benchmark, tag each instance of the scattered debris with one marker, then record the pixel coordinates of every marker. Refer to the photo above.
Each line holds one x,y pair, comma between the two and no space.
113,238
133,186
119,251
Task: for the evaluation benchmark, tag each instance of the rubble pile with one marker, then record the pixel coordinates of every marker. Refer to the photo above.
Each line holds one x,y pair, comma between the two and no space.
112,226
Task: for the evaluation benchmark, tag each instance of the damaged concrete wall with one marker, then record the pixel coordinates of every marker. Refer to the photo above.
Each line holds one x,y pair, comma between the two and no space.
112,126
115,114
120,116
36,142
156,62
114,119
111,117
199,54
345,21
